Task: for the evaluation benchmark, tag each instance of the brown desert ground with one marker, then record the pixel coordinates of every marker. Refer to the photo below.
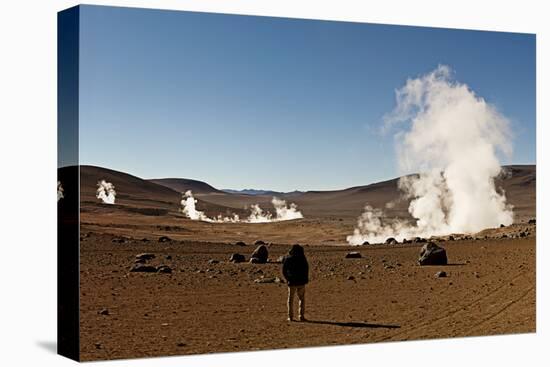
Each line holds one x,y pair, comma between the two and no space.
207,304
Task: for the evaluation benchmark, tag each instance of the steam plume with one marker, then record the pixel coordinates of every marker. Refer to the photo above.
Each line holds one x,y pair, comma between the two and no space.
284,212
106,192
453,137
188,207
257,214
59,191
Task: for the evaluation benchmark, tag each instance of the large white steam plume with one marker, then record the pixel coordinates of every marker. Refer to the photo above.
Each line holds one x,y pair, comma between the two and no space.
188,208
257,214
452,137
106,192
59,191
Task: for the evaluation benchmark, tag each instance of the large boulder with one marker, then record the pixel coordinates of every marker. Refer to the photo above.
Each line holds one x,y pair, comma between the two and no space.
260,255
432,254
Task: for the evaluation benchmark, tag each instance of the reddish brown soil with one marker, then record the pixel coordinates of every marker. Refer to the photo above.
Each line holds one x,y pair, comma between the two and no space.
204,308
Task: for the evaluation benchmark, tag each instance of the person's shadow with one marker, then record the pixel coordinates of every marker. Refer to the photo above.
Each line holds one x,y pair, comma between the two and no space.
50,346
353,324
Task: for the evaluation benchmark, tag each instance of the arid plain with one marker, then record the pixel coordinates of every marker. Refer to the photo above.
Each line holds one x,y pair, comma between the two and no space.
208,304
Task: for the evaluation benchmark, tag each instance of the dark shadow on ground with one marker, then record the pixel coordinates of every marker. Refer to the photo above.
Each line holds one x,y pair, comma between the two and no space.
50,346
354,324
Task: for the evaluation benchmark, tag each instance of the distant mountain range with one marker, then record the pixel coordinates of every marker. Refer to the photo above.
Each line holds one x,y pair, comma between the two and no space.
262,192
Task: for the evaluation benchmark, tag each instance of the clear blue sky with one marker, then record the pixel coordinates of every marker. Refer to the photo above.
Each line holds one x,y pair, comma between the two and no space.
274,103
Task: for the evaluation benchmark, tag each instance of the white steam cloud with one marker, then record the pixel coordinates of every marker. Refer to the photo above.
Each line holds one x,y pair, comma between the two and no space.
106,192
453,137
188,208
257,214
59,191
284,212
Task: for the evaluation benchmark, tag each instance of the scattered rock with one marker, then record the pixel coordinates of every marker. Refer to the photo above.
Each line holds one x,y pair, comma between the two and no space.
441,274
268,280
450,238
142,268
532,221
353,255
502,226
145,256
351,277
240,243
259,243
181,344
237,258
432,254
213,261
104,312
164,239
118,240
168,257
419,240
280,258
406,240
164,269
144,239
366,243
260,255
391,241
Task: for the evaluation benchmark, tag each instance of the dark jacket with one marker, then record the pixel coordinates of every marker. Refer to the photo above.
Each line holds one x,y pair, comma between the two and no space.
295,267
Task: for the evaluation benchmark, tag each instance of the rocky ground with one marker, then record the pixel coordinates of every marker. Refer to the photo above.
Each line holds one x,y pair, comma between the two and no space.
202,303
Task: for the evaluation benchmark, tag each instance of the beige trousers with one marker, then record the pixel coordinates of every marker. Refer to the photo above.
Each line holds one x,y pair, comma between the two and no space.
300,290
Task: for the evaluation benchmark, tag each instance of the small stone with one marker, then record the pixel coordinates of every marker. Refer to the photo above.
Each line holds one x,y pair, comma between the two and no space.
237,258
441,274
268,280
164,269
353,255
164,239
145,256
104,312
213,261
351,277
142,268
391,241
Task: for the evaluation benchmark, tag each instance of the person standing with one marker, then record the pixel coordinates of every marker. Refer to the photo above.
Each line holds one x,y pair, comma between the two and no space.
296,273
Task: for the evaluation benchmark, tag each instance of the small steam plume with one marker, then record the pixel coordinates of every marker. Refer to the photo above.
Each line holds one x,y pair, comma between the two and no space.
106,192
59,191
257,214
453,137
284,212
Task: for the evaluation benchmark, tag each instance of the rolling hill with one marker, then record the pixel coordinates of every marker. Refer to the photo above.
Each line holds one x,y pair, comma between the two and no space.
518,182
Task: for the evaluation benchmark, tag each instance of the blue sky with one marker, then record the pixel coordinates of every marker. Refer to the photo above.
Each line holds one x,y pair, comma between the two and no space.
274,103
